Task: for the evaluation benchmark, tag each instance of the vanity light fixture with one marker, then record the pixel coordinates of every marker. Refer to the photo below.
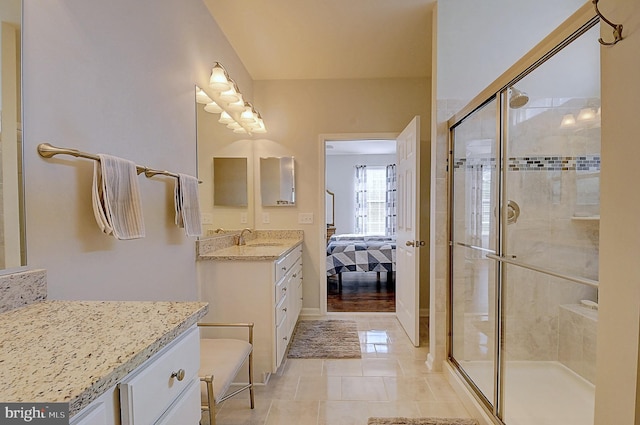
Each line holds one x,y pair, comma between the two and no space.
224,98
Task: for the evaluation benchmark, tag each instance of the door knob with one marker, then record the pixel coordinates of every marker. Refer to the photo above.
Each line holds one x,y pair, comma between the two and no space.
410,243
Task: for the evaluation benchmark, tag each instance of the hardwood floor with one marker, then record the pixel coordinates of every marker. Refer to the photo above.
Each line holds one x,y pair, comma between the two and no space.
362,292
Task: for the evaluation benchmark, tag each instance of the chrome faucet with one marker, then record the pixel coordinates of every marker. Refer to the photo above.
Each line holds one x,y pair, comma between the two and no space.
240,240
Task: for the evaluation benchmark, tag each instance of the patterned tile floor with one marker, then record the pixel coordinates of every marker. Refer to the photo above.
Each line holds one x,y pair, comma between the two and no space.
391,379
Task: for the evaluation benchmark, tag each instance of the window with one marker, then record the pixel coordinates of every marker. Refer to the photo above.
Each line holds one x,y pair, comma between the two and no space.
371,199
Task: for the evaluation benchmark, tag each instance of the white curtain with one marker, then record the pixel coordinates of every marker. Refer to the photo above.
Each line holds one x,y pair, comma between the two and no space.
391,218
361,199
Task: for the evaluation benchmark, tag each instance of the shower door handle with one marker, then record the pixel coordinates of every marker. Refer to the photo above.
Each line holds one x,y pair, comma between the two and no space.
577,279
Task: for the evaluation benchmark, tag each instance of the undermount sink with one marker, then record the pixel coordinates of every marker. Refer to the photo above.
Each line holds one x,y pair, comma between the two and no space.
264,244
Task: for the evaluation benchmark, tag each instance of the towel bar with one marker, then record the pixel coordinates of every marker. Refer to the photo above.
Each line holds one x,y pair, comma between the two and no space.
46,150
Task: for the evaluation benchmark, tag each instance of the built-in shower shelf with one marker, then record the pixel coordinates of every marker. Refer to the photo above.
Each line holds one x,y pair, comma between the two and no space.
586,218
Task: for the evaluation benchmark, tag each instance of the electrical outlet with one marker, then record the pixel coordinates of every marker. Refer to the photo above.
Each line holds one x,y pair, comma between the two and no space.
243,218
265,218
305,218
207,218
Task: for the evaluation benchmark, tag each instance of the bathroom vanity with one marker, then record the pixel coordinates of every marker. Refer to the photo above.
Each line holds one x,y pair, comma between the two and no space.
259,282
113,362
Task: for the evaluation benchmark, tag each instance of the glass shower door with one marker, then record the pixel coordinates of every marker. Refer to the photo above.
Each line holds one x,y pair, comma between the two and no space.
550,240
524,186
473,236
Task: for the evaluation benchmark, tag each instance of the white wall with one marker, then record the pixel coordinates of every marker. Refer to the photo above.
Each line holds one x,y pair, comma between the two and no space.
476,42
114,77
340,176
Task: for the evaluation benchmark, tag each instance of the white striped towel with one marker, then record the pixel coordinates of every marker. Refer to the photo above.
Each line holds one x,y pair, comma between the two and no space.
116,198
188,205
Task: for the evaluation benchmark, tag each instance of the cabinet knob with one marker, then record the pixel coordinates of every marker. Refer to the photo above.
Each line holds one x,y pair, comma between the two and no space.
284,309
284,268
295,274
179,375
285,338
284,289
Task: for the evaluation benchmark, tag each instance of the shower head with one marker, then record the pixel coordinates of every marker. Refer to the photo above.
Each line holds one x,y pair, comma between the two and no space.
518,98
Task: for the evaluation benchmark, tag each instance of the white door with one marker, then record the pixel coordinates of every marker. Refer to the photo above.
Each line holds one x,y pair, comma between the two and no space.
407,243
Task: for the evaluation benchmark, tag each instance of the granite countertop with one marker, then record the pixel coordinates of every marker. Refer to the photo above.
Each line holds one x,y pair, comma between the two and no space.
73,351
255,250
261,245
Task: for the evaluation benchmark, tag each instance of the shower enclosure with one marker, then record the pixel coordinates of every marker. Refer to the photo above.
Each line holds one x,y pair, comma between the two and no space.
524,222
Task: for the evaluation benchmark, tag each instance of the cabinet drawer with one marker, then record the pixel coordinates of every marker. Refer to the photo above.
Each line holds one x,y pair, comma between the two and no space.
284,264
97,416
186,410
281,289
281,310
150,390
282,340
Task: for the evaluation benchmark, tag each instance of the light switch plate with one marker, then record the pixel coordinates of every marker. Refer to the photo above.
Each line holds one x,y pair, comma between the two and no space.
265,218
305,218
243,218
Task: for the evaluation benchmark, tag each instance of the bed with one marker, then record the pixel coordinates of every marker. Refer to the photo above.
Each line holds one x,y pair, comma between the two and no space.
360,253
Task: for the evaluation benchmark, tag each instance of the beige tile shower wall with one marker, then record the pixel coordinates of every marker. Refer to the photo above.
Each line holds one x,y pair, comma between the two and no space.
440,243
532,305
546,232
20,289
577,340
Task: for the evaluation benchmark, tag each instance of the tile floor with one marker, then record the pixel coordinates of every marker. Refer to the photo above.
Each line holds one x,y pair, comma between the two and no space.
391,379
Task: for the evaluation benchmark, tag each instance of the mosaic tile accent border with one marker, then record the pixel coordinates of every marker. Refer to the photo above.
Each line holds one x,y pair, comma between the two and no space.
588,163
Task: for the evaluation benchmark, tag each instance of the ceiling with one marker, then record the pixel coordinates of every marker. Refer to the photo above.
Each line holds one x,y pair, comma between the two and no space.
328,39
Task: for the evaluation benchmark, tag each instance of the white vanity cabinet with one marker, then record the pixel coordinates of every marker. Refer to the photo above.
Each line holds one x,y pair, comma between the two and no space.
165,386
164,390
266,292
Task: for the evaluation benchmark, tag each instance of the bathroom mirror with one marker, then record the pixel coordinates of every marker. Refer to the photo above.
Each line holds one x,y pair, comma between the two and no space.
12,235
330,207
230,182
277,181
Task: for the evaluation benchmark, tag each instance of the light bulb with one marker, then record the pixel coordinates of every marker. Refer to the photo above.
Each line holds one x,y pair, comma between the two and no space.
568,121
247,115
201,96
230,95
218,80
225,118
238,105
586,114
213,108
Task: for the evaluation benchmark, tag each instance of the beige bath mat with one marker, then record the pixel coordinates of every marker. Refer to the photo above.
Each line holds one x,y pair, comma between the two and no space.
421,421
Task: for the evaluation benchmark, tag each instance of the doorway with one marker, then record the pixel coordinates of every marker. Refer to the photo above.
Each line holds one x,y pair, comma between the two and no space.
368,163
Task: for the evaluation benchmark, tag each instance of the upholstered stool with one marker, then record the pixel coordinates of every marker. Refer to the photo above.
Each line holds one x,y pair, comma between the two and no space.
220,362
